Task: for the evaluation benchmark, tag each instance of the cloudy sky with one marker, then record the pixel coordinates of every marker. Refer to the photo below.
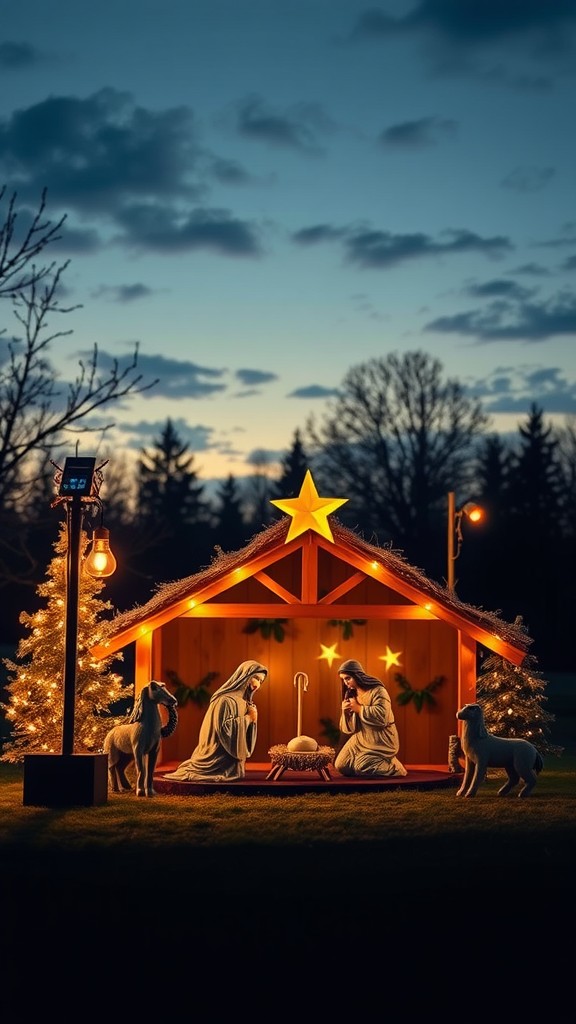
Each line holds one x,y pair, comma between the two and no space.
264,193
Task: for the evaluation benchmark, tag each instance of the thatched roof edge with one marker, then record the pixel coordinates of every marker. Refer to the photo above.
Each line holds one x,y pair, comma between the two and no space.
274,536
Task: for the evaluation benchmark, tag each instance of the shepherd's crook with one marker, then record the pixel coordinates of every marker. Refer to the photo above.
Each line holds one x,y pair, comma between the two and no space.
301,681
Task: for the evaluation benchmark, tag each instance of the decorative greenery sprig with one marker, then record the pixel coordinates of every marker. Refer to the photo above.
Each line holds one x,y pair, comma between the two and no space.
267,627
347,626
199,694
419,697
330,730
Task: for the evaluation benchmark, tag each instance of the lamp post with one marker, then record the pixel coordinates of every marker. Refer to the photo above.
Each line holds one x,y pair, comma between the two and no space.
52,780
475,514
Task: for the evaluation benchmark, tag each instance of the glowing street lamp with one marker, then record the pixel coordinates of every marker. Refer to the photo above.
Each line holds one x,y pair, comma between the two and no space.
79,487
475,514
52,780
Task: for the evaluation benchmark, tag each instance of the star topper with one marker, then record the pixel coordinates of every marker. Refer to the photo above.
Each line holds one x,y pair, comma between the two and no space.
308,510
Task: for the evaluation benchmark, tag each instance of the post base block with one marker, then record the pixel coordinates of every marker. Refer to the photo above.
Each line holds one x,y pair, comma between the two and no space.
65,780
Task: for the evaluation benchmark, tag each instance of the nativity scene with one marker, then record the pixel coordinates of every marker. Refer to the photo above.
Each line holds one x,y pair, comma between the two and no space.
301,598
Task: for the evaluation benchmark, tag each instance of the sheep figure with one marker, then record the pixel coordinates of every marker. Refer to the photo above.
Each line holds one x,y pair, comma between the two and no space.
139,738
483,750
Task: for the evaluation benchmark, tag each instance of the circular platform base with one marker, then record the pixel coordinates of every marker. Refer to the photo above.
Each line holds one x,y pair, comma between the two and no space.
257,783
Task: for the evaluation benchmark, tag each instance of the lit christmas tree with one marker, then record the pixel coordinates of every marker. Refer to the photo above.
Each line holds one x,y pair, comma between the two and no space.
35,682
512,699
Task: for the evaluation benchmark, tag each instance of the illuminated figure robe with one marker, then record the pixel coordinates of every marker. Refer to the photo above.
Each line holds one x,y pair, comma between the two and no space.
373,737
227,737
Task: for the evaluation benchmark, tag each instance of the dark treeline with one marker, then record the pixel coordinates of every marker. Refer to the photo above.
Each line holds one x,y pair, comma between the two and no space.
520,561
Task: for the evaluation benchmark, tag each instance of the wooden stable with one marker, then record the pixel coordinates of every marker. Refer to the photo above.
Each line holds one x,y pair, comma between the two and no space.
304,606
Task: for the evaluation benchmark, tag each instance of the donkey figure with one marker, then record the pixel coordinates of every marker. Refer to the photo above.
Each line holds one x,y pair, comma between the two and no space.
483,750
139,739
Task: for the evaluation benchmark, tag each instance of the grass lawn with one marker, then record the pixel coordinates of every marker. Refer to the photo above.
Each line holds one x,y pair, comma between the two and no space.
403,905
172,826
415,895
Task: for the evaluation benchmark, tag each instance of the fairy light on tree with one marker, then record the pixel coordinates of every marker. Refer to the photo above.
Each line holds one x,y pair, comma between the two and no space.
512,698
75,776
34,708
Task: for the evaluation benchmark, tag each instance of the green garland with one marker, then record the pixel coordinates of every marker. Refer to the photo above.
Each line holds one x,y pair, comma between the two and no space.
418,697
267,627
347,626
199,694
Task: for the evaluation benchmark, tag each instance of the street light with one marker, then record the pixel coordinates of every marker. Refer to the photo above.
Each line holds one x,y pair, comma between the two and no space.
475,514
52,780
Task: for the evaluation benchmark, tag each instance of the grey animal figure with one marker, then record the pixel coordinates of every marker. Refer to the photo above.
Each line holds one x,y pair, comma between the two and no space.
139,739
482,750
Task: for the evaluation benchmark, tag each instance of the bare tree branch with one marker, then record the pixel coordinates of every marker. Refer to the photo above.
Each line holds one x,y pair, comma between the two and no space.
38,409
17,269
397,439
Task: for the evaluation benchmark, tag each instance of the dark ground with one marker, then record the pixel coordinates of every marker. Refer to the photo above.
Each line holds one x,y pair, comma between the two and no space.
282,934
328,932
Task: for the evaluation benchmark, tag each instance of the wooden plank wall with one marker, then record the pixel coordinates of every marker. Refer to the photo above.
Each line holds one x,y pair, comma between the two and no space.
195,647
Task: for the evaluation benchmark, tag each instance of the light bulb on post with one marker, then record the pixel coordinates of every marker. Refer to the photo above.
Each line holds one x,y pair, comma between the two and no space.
473,512
100,562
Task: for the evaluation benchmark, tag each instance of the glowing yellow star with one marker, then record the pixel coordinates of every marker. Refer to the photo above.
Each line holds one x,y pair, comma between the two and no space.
329,654
391,657
308,511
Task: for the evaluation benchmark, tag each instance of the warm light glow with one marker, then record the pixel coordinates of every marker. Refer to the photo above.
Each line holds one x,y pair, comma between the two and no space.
100,562
329,654
36,686
308,510
391,657
473,512
375,565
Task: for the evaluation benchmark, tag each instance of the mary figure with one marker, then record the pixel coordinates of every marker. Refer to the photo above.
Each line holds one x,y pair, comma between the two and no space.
228,731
